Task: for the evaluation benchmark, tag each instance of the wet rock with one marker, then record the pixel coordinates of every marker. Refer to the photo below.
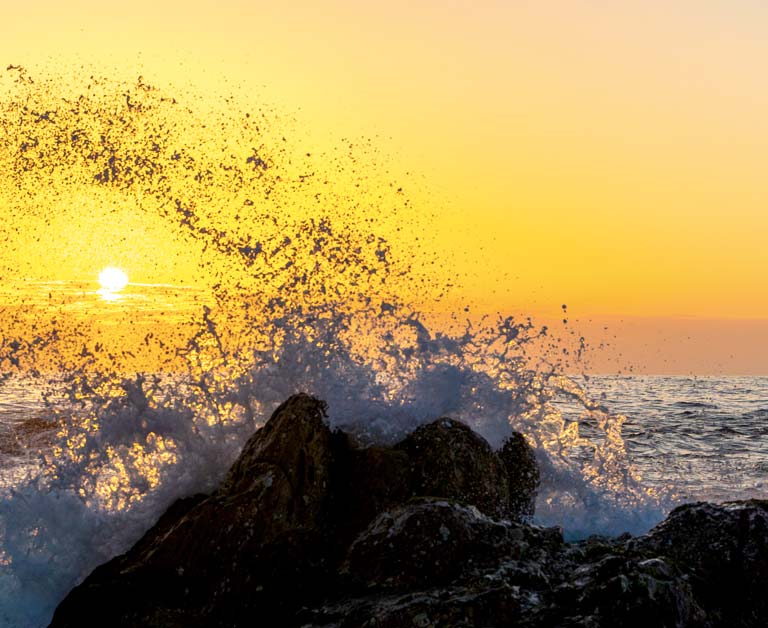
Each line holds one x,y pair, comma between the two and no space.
448,459
442,459
624,590
442,607
437,562
292,452
519,460
724,549
429,541
213,559
368,481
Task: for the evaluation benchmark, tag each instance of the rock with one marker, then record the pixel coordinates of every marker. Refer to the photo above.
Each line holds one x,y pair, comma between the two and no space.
520,463
445,564
309,528
444,459
445,607
291,452
214,559
428,542
447,459
368,482
724,549
625,590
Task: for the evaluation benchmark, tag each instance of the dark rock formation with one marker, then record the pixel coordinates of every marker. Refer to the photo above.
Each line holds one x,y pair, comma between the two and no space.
725,551
447,459
310,529
523,473
223,557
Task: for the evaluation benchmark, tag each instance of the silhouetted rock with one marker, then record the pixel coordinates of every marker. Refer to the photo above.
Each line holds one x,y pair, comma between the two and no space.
724,550
448,459
244,548
311,529
428,542
620,588
368,481
520,463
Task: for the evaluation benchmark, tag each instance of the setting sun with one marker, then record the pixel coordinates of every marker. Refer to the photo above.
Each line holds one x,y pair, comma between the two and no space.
113,279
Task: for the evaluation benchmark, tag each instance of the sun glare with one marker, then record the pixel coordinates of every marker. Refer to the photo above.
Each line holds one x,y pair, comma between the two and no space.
113,279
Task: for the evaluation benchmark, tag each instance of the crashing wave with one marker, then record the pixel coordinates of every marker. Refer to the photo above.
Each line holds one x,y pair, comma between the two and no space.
298,291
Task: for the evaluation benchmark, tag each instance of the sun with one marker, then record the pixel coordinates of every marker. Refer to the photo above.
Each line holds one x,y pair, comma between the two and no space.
113,279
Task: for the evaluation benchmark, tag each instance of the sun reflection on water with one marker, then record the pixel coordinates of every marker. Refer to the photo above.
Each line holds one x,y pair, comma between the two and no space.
108,295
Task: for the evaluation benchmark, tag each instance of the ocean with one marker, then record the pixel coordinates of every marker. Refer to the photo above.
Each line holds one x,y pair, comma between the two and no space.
704,438
685,439
695,437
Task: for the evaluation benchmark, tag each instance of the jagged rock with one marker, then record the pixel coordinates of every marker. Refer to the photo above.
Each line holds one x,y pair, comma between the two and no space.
449,460
523,473
311,529
724,549
447,607
296,445
623,589
427,542
436,562
210,560
368,481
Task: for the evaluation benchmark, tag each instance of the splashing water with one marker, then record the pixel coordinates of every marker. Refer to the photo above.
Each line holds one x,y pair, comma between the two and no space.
283,284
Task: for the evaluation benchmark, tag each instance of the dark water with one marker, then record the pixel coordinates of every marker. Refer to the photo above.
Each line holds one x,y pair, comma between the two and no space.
707,437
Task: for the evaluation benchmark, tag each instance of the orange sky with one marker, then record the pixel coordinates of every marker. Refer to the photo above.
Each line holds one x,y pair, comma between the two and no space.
610,156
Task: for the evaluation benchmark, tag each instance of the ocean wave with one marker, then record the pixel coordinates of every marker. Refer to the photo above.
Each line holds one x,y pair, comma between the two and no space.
302,295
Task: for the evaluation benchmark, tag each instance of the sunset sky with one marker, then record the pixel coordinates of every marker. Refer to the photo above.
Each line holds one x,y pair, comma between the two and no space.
607,155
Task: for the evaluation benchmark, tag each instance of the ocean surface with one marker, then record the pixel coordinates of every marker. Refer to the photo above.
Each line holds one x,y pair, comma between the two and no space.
696,438
686,438
703,438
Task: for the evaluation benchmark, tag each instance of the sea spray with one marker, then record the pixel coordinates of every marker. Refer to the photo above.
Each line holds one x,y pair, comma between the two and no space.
297,290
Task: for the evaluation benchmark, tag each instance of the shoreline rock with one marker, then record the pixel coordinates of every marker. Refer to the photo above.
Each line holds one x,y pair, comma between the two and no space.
311,529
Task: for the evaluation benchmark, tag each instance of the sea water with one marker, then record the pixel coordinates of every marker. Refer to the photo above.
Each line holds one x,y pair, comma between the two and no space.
114,405
704,437
694,437
687,438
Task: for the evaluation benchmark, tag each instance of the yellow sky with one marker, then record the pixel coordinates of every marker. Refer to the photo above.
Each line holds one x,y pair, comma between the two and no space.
608,155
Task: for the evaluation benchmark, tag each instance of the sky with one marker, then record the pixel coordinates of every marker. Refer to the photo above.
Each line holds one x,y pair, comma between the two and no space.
605,155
